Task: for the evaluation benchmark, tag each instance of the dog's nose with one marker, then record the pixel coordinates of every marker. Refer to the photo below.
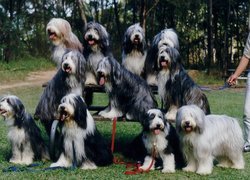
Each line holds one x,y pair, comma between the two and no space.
65,65
137,36
90,36
158,126
162,57
62,108
187,123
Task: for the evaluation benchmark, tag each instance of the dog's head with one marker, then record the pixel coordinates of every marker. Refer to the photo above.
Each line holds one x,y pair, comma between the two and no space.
108,70
73,108
11,108
190,118
155,122
58,29
135,35
96,35
73,62
168,58
167,37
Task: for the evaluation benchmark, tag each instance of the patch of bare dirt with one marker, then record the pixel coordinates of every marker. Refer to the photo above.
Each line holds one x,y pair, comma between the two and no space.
33,79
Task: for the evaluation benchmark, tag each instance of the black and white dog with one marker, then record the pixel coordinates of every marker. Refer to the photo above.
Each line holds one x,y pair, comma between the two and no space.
166,37
134,49
62,37
158,143
70,78
96,46
175,86
82,142
24,135
128,93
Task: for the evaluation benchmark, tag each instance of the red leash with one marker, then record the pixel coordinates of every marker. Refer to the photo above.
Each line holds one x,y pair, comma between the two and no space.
113,134
136,166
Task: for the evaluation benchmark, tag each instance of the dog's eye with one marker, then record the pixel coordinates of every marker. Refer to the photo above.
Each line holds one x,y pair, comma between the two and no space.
8,100
151,116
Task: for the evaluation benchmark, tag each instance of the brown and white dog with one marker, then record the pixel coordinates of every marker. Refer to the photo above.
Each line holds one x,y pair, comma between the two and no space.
62,37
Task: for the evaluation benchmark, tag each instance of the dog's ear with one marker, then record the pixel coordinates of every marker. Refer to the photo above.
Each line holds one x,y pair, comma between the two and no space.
82,64
199,116
178,121
80,113
18,108
116,70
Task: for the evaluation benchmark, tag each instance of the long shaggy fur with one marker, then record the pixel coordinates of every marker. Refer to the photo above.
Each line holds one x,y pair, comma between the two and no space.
24,135
160,137
70,78
208,137
166,37
62,37
175,87
96,46
134,49
82,142
128,93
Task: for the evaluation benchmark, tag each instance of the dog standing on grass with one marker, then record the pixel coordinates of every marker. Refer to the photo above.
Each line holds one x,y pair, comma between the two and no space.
24,135
206,138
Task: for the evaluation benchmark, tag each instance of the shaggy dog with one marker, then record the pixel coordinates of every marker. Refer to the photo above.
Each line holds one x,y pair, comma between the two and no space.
70,78
208,137
62,37
96,46
82,142
134,49
175,87
128,93
24,135
161,141
166,37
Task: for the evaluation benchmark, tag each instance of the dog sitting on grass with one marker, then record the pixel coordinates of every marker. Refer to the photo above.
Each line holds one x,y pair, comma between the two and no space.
25,137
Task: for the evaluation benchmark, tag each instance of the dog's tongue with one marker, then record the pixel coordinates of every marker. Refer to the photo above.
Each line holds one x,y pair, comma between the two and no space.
164,63
102,81
62,117
52,36
91,42
188,129
157,131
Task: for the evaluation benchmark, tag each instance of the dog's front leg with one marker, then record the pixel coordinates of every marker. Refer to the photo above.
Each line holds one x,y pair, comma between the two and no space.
16,155
168,163
205,165
147,162
62,162
171,114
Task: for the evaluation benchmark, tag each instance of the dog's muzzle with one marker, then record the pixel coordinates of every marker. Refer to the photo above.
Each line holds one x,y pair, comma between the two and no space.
157,129
63,114
187,127
52,35
101,78
66,67
2,112
163,62
137,39
90,39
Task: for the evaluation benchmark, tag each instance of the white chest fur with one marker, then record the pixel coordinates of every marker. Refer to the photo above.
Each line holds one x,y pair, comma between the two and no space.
162,78
16,135
159,142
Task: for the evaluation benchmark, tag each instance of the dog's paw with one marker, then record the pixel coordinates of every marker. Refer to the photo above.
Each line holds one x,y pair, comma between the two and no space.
14,161
189,169
110,115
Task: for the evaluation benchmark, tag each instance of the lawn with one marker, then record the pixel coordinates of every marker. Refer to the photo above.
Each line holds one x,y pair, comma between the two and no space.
229,101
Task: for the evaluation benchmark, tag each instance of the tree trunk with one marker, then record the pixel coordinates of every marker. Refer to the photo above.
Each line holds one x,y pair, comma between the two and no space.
209,35
82,11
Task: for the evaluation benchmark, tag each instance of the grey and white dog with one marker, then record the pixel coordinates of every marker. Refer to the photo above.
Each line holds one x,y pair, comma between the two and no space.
166,37
175,87
128,93
96,46
62,37
24,135
70,78
134,49
208,137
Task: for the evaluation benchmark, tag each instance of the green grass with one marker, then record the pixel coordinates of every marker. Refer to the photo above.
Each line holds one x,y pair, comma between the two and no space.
18,69
228,102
